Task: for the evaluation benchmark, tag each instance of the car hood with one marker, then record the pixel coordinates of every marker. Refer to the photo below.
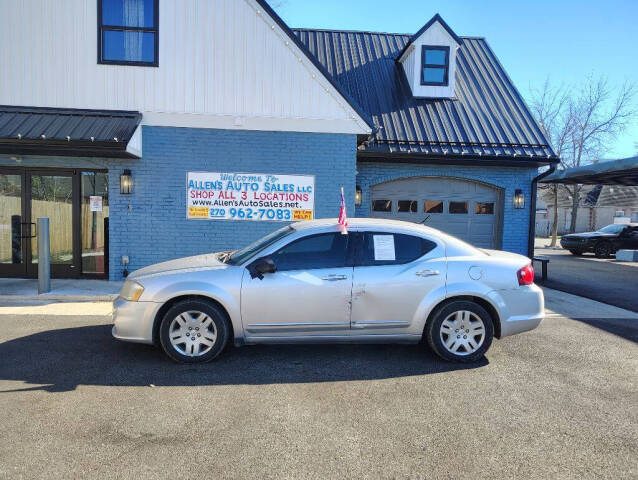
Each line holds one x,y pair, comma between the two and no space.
589,235
208,260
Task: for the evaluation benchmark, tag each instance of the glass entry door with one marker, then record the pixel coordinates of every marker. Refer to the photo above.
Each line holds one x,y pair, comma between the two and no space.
12,228
52,194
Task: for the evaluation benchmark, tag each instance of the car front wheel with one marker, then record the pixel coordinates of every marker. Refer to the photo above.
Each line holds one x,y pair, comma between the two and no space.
194,331
461,331
603,249
578,253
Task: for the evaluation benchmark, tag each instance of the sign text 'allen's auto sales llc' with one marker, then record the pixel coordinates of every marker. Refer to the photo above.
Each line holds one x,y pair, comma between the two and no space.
250,196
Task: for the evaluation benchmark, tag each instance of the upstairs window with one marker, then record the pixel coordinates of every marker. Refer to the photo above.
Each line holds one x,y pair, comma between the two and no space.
128,32
435,63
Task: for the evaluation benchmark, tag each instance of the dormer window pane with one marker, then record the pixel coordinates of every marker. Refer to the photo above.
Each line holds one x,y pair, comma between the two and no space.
435,57
435,63
434,75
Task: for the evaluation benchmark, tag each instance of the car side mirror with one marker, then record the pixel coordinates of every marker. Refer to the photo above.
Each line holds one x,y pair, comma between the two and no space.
262,266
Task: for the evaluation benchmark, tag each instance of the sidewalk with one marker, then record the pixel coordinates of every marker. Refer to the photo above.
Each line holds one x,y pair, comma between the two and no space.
25,291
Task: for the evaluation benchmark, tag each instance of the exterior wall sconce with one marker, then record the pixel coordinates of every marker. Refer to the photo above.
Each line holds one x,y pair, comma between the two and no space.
519,199
126,182
358,196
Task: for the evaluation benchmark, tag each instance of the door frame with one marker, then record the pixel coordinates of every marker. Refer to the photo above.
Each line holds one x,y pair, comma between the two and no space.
30,270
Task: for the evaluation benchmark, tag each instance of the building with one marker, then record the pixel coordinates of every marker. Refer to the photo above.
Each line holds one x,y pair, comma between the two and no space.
600,205
152,129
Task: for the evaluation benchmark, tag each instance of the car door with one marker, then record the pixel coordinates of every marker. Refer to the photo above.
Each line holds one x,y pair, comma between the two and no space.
393,274
629,239
309,293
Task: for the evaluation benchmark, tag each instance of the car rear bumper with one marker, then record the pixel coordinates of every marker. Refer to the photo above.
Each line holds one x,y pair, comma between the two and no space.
133,321
521,309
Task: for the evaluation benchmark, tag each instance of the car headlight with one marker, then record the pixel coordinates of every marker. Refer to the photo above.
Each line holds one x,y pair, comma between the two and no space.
131,291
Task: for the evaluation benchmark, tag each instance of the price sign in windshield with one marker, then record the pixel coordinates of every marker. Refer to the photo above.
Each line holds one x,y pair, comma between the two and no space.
249,196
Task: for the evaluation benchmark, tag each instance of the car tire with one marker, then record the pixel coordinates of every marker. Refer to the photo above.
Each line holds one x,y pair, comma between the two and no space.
194,331
463,319
603,250
578,253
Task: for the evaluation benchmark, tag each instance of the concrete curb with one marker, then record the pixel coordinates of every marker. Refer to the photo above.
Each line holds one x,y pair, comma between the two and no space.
60,298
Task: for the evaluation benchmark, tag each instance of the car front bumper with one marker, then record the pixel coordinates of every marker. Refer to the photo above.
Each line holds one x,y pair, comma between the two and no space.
133,321
576,245
521,309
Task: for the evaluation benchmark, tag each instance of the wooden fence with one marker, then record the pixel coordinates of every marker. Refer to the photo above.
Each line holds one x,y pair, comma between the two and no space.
60,220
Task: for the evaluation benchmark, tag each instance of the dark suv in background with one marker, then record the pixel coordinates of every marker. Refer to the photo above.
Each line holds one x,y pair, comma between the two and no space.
604,242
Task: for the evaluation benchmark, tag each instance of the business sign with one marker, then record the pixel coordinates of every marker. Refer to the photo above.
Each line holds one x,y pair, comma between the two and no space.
249,196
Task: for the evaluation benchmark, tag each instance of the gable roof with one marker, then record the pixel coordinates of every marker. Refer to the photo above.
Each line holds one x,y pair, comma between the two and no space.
337,86
435,18
486,120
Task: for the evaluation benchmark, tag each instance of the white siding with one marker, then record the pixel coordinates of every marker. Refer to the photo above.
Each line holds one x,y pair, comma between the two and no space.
411,61
222,64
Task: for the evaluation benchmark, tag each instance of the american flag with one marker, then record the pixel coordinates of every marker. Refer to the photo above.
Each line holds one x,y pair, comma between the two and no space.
343,219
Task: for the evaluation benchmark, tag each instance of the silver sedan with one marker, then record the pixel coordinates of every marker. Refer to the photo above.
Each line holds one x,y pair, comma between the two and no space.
384,282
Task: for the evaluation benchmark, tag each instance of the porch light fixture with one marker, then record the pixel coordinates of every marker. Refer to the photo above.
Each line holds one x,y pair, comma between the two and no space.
126,182
519,199
357,196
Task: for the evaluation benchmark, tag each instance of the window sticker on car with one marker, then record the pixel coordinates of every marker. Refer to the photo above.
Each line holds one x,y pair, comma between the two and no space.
384,247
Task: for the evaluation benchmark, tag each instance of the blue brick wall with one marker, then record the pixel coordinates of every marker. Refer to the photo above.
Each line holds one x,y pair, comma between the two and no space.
515,221
150,225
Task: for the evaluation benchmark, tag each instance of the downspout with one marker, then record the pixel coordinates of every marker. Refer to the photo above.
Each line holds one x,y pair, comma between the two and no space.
532,210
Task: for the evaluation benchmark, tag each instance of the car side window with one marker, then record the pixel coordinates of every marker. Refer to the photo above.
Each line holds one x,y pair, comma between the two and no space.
324,250
384,248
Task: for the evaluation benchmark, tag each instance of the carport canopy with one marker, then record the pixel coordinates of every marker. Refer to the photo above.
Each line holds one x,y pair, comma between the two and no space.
613,172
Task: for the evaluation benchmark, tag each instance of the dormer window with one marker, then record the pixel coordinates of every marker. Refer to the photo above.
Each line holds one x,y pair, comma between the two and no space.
435,64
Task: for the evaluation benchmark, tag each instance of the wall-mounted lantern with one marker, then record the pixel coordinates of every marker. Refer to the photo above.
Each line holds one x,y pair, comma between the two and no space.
126,182
519,199
358,196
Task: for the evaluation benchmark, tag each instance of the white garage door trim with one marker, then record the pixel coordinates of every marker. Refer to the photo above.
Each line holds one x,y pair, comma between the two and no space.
480,205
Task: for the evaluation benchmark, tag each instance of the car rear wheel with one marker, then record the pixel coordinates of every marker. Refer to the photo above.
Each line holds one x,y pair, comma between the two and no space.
603,249
194,331
461,331
578,253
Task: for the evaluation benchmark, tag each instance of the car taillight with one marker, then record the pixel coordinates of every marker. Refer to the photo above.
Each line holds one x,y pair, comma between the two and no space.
526,275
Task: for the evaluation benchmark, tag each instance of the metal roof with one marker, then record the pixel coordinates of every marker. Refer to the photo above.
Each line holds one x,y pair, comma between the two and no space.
487,119
613,172
67,131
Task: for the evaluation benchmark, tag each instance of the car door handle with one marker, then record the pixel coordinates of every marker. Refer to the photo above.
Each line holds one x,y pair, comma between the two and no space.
334,278
427,273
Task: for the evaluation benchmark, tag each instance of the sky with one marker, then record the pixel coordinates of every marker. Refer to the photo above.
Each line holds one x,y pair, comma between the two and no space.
563,40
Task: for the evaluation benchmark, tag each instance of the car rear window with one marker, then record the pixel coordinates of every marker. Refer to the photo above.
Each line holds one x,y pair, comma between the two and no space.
383,248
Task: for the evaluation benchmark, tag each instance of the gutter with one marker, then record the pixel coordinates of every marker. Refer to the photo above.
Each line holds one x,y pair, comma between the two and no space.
532,210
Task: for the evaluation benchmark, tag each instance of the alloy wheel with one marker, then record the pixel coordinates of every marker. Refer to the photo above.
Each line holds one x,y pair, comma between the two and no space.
193,333
462,332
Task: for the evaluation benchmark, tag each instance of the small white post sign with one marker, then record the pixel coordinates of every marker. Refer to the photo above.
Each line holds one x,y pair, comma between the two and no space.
249,196
95,203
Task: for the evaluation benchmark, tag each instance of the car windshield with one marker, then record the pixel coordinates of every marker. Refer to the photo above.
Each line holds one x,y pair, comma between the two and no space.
243,254
613,229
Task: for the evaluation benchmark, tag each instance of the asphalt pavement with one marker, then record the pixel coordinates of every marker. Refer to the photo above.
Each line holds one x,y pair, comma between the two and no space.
557,402
603,280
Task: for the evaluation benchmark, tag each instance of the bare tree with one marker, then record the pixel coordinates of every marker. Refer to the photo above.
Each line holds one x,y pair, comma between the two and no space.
598,118
550,105
581,125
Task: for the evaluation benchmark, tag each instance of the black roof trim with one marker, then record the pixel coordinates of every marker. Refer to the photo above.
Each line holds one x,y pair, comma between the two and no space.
435,18
278,20
365,156
67,131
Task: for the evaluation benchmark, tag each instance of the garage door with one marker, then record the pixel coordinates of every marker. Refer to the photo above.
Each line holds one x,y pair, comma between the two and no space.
468,210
